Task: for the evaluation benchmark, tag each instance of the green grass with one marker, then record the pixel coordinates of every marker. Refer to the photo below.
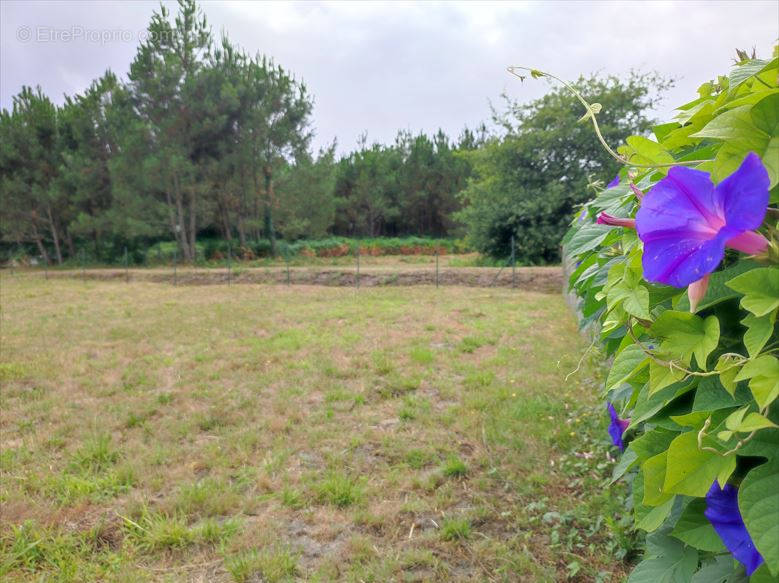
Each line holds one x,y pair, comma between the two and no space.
292,498
455,529
454,467
208,497
338,489
422,355
95,455
271,564
153,532
263,433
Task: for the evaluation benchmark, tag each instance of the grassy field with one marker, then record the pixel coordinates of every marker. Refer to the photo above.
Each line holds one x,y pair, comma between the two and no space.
266,433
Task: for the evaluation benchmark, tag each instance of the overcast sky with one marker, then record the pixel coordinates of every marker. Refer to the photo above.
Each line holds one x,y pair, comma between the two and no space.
378,67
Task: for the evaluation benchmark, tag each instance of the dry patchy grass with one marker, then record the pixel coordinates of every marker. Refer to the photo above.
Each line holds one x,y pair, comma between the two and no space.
264,433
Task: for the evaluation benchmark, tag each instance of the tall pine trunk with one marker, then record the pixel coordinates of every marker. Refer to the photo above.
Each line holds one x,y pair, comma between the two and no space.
54,235
268,218
241,231
69,244
39,243
180,227
192,224
227,230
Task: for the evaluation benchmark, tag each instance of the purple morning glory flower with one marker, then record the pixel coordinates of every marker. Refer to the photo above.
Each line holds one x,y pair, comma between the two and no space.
723,513
617,427
614,182
685,221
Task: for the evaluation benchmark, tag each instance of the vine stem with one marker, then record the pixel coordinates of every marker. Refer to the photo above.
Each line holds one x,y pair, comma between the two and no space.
581,360
702,433
741,443
535,73
673,365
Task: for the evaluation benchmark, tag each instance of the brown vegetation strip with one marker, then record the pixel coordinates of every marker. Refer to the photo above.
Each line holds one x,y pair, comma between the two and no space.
537,279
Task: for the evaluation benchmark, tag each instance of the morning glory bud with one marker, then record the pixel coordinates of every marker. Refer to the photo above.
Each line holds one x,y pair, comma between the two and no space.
607,219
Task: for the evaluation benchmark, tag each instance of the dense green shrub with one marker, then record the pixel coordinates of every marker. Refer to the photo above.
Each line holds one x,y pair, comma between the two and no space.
526,183
695,373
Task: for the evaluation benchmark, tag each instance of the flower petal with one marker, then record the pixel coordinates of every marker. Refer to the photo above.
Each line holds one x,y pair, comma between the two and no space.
683,200
679,258
723,513
612,412
616,427
748,242
616,436
744,194
614,182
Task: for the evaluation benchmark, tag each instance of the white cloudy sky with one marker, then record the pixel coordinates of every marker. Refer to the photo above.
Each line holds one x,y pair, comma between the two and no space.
377,67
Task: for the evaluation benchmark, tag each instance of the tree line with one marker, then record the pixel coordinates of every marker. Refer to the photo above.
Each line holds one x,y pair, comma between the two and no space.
204,140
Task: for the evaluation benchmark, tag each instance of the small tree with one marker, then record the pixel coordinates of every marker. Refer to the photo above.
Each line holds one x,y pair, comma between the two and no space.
528,182
32,206
275,130
164,86
306,188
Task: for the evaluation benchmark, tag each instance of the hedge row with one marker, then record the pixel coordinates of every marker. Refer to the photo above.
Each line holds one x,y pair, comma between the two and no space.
219,249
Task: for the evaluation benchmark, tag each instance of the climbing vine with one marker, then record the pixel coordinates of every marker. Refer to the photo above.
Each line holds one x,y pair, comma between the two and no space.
675,264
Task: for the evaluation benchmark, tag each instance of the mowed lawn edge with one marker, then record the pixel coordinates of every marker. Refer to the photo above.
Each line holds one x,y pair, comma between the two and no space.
153,432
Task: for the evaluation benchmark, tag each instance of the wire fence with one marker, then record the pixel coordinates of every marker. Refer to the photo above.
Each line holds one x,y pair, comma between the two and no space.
436,270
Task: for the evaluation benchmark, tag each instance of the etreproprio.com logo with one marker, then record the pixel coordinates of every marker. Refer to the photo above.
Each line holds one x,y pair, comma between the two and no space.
52,34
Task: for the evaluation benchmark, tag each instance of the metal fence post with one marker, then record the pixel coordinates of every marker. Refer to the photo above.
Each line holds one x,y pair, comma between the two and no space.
357,255
513,264
175,266
436,266
229,262
286,260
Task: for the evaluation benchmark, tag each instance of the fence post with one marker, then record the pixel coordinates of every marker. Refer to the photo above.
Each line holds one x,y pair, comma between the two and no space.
229,263
286,260
83,273
175,266
357,256
13,262
436,266
126,266
45,270
513,264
